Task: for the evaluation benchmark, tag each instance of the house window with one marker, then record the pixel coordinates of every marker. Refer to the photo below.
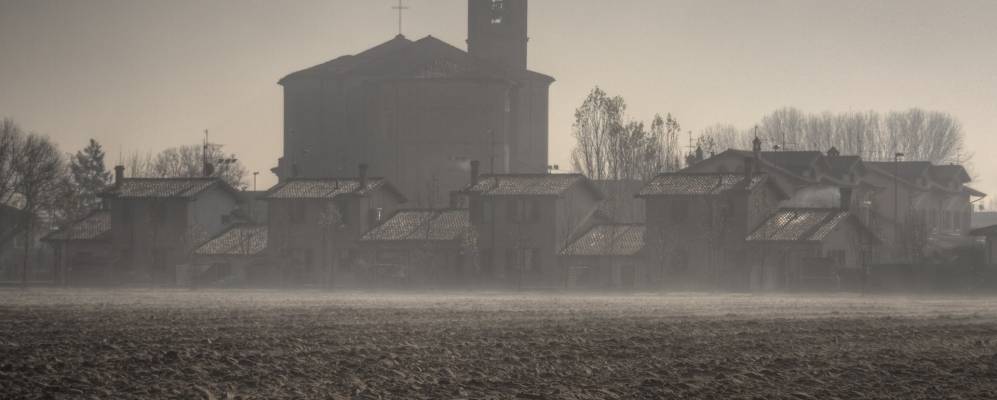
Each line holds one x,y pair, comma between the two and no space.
523,259
160,213
680,210
297,214
344,211
524,210
838,256
487,261
487,210
376,215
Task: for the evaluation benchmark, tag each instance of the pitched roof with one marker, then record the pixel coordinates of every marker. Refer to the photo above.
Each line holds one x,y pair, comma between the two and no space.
164,187
984,231
238,240
943,173
530,184
421,225
691,183
401,57
799,225
843,165
794,161
608,240
621,204
328,188
95,226
906,170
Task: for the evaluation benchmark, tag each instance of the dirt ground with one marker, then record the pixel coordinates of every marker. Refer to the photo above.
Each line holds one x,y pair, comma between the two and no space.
267,344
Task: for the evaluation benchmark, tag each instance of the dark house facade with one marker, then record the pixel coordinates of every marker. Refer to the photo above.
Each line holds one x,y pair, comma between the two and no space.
421,248
156,223
83,250
315,224
523,221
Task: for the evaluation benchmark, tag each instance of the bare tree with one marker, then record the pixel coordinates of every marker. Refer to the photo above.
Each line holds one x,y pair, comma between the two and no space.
188,162
11,141
921,135
608,148
40,168
599,118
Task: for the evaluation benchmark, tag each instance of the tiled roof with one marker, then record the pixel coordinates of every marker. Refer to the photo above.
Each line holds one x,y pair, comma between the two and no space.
435,225
842,165
944,173
793,161
799,225
526,184
906,170
687,183
608,240
621,204
161,187
96,226
238,240
984,231
322,188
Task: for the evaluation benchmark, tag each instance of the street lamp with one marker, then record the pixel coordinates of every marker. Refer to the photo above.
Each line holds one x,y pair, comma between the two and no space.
896,197
254,179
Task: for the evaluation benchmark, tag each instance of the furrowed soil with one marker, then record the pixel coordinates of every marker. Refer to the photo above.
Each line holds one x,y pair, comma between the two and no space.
265,344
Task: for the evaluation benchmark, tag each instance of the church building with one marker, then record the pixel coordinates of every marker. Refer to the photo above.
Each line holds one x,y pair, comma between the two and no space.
417,112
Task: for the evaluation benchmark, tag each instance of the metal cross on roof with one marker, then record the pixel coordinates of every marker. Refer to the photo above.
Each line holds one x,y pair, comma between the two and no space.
401,8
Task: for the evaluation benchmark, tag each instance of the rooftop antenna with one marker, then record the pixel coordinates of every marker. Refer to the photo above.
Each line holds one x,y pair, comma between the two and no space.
401,8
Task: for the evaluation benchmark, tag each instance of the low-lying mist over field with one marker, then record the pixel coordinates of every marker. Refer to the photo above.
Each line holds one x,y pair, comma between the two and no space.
368,345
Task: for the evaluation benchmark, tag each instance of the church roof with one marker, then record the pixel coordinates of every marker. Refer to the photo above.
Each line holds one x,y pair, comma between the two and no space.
425,58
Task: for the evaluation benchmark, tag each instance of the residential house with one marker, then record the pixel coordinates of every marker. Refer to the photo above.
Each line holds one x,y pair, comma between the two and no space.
156,223
523,221
315,224
83,250
421,248
799,248
608,256
697,223
236,256
989,233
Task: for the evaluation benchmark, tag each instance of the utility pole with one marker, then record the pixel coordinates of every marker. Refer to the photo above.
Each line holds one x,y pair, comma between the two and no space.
896,197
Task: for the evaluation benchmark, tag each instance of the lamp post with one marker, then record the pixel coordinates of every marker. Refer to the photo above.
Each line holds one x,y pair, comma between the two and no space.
254,179
896,196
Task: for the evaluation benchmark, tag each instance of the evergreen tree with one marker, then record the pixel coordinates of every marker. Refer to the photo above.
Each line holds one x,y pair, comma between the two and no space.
88,177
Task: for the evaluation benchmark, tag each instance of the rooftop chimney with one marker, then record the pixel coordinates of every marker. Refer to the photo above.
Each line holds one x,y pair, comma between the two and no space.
362,175
119,175
846,198
475,167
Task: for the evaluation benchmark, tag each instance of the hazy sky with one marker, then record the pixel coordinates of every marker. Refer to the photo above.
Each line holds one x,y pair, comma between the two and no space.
145,75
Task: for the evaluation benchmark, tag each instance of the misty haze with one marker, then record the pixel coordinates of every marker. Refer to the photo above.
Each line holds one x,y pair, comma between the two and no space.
493,199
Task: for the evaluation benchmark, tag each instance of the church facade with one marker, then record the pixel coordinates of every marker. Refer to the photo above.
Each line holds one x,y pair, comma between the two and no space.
417,112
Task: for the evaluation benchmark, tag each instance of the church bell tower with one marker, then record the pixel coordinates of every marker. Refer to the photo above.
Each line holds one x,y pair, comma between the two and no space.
496,31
